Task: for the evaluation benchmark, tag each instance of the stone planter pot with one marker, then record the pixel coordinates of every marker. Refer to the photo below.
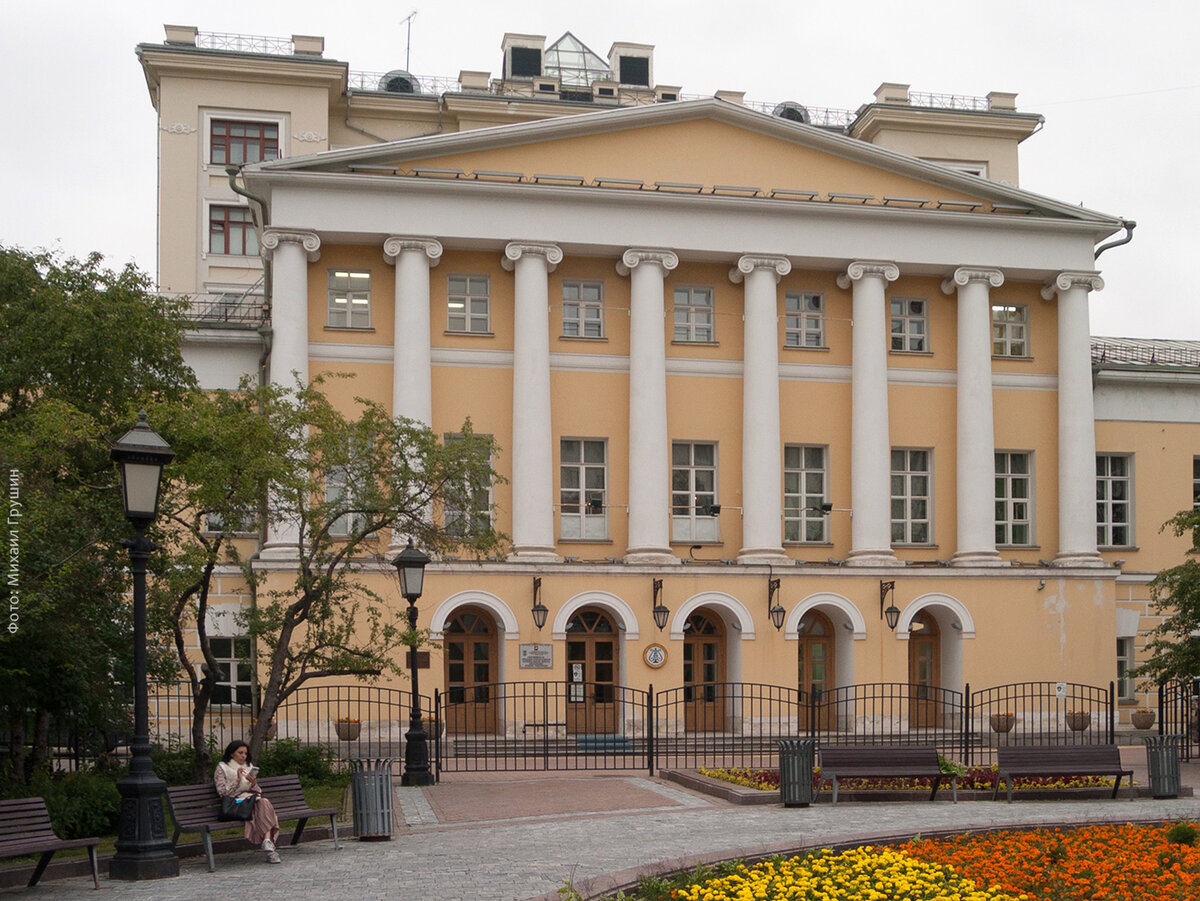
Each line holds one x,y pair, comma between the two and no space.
1077,722
347,731
1142,719
1002,722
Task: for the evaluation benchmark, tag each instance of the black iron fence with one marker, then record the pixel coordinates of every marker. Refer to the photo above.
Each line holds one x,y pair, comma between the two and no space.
1179,713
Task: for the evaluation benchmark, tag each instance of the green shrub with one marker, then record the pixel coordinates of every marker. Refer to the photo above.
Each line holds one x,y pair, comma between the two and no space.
1182,834
81,805
174,763
312,763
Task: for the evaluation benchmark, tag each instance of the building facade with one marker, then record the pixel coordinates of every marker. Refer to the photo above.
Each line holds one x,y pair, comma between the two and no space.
770,370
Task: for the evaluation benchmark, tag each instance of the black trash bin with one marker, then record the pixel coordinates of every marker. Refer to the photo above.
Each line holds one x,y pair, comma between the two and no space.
797,756
1162,758
371,791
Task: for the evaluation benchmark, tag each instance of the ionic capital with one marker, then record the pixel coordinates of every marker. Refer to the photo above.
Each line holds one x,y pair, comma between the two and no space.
964,275
861,269
747,263
397,244
635,256
517,249
1065,281
274,237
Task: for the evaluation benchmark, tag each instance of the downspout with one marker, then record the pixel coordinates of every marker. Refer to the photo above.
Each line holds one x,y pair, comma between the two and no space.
1129,225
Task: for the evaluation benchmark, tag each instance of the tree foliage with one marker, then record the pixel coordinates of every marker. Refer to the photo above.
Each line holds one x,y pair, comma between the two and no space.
1174,645
81,347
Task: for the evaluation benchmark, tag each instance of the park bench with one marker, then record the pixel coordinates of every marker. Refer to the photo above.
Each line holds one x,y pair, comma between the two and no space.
1060,760
197,808
25,829
884,762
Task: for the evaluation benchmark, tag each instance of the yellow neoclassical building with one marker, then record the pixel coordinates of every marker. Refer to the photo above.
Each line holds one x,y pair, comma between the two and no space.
762,370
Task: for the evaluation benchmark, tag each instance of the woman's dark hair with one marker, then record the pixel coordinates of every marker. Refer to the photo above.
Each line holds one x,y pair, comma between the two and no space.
233,746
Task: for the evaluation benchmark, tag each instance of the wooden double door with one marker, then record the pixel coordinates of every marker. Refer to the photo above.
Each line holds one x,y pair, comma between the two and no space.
815,665
470,656
593,673
705,690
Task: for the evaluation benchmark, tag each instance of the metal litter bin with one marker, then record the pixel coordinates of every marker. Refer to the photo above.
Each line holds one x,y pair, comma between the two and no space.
371,791
1162,758
796,759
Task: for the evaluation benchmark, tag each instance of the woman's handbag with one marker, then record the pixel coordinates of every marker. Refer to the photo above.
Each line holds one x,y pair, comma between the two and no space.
237,808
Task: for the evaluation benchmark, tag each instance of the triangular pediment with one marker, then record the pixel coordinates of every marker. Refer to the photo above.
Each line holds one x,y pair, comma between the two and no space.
704,146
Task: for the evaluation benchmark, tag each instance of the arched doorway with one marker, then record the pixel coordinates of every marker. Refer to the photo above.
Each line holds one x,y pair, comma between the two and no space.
704,672
816,665
592,672
924,672
469,641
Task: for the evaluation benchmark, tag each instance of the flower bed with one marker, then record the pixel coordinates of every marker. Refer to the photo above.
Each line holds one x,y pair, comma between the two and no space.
1113,863
972,778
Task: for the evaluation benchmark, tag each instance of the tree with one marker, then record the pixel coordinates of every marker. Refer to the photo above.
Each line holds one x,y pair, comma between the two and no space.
351,480
81,347
1174,645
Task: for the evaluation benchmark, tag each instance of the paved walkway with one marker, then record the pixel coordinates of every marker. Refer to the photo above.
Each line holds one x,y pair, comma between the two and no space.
522,836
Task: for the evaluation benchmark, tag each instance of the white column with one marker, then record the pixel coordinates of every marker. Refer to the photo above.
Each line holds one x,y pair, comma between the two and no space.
870,443
289,252
649,446
762,482
1076,421
532,441
976,452
412,379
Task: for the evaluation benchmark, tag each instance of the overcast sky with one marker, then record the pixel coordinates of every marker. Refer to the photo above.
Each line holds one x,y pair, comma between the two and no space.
1116,81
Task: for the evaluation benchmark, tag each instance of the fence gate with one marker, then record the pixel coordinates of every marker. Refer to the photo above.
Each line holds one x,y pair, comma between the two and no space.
1178,714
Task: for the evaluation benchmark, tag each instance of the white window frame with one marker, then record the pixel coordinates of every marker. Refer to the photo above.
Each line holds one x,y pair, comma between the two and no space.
335,490
904,322
908,501
480,516
1010,336
804,327
235,671
349,304
576,501
1013,510
582,316
473,322
694,314
1126,660
691,518
282,120
1109,506
805,489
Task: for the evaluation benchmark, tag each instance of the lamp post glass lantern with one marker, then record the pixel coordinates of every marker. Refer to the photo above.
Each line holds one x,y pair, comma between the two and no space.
410,565
143,850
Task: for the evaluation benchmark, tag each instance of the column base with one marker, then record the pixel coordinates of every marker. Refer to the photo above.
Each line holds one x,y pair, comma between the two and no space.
653,555
533,554
977,558
1079,558
765,556
872,557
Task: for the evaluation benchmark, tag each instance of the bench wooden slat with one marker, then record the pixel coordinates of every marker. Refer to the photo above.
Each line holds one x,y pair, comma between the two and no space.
197,808
25,828
1060,760
883,761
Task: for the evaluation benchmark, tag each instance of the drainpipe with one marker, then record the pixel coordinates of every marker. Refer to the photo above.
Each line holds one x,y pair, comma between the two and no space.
1129,225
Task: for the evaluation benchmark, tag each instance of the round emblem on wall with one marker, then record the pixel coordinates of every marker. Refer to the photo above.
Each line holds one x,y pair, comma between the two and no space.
655,655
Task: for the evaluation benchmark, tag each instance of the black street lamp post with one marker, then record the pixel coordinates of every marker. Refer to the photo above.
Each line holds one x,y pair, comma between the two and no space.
410,565
143,850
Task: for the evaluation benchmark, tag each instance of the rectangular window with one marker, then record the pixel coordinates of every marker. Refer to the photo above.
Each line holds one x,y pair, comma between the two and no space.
583,495
1010,330
910,324
468,304
805,325
467,510
1114,495
583,309
804,490
234,671
337,492
241,524
349,299
911,497
1125,662
694,315
1014,499
234,143
694,491
231,231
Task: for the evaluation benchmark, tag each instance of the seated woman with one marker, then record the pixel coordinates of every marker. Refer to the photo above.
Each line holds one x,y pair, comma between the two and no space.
233,778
